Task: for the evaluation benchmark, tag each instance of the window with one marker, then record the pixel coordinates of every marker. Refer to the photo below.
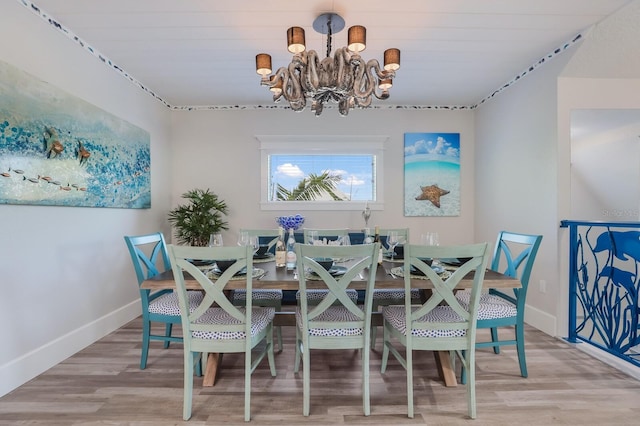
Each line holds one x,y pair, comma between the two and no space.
343,170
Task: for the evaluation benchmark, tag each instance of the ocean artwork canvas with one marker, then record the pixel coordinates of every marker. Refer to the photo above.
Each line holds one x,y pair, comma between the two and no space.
432,174
59,150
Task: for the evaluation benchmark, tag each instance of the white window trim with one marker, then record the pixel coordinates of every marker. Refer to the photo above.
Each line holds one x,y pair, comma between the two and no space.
316,144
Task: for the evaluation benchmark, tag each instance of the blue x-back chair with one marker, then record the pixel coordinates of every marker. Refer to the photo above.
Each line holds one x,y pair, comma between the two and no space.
150,257
513,255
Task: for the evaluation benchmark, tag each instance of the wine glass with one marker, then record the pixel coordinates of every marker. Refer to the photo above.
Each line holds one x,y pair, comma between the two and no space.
313,237
430,239
243,238
254,242
215,240
392,241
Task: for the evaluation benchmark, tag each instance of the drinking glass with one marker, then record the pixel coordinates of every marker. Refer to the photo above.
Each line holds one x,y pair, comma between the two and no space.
254,242
392,242
345,240
430,239
313,237
243,238
215,240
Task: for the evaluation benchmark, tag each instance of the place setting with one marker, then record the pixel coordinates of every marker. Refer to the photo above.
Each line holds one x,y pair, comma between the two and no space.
329,265
220,266
418,274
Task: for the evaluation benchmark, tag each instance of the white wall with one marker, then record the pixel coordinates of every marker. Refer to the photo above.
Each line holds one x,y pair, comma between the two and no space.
67,279
516,144
218,150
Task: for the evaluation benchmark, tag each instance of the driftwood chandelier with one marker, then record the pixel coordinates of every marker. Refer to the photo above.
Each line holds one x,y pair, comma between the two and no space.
344,78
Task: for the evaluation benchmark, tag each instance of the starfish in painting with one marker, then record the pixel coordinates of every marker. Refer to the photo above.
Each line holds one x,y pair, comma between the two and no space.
432,193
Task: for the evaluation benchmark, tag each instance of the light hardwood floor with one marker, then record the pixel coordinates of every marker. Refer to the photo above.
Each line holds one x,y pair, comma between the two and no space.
103,385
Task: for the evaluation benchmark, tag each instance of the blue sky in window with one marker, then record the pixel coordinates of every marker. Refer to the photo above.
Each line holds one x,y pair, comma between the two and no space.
356,172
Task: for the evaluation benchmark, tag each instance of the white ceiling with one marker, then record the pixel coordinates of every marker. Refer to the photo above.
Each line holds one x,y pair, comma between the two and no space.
202,52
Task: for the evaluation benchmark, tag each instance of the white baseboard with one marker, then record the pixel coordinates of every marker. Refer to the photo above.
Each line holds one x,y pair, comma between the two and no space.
20,370
541,320
612,360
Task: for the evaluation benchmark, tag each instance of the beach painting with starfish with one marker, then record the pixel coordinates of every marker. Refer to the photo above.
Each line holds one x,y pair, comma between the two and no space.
59,150
432,174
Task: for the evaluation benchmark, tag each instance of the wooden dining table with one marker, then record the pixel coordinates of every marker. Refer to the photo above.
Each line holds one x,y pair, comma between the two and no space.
283,279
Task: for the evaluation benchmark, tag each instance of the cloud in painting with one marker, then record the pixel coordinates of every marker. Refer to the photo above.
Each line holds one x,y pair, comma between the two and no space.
429,147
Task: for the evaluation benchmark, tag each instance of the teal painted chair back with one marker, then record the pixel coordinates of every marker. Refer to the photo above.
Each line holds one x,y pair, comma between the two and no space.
441,323
216,325
514,255
150,257
337,321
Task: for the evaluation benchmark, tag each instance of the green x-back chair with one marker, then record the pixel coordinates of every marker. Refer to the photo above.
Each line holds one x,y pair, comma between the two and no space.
441,323
335,321
216,325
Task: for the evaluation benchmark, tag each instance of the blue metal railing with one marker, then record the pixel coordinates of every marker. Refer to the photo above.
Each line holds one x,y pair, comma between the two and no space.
604,286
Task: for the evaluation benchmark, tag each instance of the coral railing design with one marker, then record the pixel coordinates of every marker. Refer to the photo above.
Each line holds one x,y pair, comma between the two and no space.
604,286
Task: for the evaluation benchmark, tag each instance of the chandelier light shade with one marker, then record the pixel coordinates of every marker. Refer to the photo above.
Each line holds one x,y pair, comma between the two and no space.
295,40
344,78
391,59
263,64
357,40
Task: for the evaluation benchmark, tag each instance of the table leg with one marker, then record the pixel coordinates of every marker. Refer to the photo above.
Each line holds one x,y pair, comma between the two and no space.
445,369
211,371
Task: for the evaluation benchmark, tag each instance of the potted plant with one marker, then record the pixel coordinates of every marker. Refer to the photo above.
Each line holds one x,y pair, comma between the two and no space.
199,218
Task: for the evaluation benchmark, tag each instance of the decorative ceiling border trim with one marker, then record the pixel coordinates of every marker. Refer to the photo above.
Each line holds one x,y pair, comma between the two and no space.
542,60
70,34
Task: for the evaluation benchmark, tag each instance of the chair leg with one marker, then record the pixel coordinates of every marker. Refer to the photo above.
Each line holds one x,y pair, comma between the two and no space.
306,379
374,329
146,330
409,361
167,333
366,400
279,337
247,385
494,338
520,346
471,386
270,357
385,349
188,384
374,332
296,363
198,365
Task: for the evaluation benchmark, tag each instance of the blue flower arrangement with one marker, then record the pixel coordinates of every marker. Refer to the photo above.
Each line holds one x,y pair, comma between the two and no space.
290,222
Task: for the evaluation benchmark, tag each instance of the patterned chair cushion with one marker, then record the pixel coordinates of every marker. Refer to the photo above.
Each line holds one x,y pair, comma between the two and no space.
258,294
490,305
260,319
394,294
333,314
394,315
318,295
167,304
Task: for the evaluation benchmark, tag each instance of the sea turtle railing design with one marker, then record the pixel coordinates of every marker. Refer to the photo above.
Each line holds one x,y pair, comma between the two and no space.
604,286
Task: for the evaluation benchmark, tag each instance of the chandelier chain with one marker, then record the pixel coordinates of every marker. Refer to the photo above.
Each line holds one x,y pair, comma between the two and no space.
329,34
